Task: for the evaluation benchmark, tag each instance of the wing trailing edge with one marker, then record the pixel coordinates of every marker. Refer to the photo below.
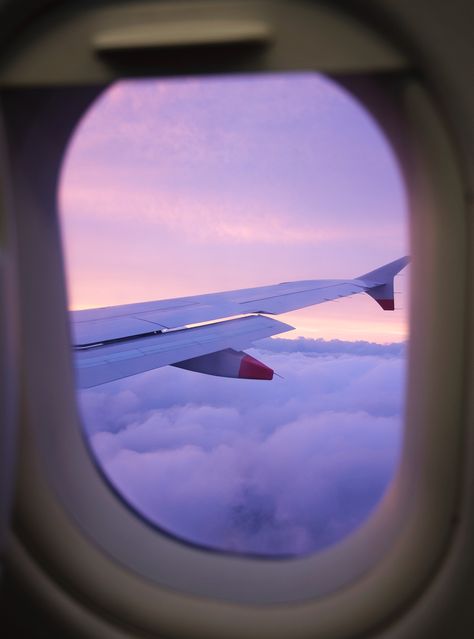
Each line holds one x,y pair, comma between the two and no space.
192,348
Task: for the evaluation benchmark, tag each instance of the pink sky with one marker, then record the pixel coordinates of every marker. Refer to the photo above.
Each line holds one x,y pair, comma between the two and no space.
178,187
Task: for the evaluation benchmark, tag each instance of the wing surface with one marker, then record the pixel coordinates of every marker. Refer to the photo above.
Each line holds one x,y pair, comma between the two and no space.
108,362
98,325
92,326
120,341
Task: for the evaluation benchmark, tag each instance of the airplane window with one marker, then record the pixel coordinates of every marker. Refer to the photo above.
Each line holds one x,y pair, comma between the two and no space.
266,419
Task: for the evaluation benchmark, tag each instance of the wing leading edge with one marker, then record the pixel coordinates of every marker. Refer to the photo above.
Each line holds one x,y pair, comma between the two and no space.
119,341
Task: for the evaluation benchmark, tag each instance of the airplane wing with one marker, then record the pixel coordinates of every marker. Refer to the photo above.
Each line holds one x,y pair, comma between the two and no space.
119,341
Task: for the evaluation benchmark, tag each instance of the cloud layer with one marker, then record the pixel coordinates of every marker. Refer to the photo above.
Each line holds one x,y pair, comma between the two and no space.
274,468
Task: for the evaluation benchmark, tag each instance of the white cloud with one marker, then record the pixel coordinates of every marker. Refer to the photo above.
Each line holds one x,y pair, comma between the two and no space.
282,467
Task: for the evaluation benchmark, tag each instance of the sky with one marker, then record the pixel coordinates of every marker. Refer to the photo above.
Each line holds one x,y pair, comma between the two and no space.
181,187
186,186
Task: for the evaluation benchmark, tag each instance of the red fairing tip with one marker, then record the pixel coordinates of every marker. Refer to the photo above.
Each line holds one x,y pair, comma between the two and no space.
387,305
251,368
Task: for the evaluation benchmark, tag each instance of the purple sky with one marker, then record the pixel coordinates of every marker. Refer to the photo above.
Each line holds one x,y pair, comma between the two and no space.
188,186
183,187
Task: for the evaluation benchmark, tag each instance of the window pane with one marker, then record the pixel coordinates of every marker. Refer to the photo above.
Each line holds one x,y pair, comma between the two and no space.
174,188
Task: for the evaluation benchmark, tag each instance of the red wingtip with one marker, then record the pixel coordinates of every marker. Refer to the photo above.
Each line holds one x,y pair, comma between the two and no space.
387,305
251,368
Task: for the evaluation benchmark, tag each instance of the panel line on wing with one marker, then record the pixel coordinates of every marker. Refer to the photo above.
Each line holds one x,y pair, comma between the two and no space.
296,291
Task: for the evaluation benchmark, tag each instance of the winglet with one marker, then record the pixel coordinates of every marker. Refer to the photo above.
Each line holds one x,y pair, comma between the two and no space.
380,282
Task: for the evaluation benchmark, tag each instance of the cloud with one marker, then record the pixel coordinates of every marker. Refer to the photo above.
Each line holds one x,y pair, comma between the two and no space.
223,218
279,468
332,347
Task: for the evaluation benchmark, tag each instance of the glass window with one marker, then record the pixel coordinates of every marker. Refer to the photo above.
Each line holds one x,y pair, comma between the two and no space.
180,187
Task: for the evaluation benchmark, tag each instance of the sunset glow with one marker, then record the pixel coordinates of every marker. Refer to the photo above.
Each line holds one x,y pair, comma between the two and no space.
182,187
